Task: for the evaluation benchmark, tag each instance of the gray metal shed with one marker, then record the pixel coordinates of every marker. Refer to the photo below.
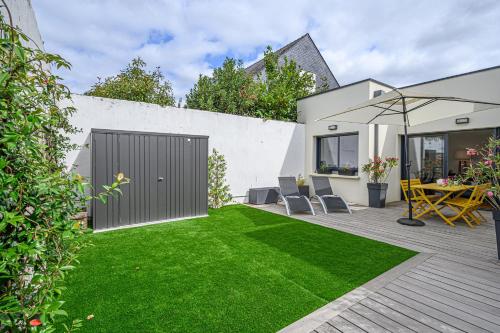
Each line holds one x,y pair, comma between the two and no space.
168,176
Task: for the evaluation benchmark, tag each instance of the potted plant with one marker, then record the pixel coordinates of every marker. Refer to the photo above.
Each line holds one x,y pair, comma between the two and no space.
301,184
323,168
378,171
484,168
347,170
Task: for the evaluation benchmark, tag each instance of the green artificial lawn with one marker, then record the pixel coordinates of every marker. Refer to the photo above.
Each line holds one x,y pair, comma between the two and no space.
239,270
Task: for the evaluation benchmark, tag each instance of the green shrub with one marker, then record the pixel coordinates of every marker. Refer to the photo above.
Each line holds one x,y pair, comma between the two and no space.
39,239
218,190
134,83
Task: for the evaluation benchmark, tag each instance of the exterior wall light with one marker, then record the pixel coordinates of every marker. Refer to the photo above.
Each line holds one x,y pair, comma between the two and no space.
332,127
461,121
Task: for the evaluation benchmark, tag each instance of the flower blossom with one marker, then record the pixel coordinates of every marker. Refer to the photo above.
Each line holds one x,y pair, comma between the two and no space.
471,152
35,322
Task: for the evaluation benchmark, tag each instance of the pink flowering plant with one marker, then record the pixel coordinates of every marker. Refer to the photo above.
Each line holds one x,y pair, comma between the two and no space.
485,169
378,169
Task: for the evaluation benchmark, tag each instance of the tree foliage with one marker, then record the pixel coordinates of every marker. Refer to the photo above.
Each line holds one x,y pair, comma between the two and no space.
134,83
271,96
38,198
282,86
218,190
228,90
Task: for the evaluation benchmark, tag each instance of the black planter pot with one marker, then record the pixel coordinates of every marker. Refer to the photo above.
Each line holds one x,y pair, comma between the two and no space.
376,195
304,190
496,217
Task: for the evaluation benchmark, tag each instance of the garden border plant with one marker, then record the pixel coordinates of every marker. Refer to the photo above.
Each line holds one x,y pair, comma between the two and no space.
378,171
484,168
219,193
39,239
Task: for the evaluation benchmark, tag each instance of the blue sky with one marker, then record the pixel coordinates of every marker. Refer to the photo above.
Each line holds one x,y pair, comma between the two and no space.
398,42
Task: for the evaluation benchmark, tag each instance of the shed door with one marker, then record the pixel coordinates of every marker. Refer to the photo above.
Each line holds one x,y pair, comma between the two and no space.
168,177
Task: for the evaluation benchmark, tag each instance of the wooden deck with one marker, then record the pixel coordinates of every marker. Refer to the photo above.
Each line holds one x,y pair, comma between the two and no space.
452,286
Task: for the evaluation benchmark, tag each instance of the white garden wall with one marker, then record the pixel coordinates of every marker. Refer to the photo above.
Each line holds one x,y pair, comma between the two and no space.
256,151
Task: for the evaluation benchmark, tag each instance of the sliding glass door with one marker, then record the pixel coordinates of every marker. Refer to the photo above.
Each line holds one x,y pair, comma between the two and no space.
428,157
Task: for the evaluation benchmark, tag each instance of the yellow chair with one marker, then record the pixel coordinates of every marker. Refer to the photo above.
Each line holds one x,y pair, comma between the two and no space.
419,202
480,204
466,207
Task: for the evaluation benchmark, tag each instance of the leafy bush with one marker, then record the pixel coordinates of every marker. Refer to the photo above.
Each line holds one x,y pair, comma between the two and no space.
484,168
218,190
280,87
230,90
39,239
378,170
273,95
135,84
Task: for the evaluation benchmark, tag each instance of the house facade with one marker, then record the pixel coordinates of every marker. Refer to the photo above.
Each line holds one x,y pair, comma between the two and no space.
437,149
307,56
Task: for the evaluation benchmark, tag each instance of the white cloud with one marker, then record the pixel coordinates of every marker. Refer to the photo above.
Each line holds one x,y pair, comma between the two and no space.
399,42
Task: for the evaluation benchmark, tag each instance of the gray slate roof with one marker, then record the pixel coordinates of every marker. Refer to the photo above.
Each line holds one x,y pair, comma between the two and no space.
305,53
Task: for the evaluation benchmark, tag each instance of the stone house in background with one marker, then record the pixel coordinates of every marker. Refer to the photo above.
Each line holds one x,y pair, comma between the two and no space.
307,56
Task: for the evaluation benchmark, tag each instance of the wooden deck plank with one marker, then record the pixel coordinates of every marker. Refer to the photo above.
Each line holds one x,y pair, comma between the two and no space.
398,317
471,265
344,325
460,289
474,317
326,328
471,280
466,274
435,298
439,314
379,319
488,274
474,263
362,322
431,322
453,295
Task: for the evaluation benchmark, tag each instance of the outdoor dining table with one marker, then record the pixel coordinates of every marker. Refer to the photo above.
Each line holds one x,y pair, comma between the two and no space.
433,206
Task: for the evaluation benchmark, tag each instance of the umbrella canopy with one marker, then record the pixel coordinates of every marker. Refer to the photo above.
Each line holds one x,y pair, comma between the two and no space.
388,108
408,108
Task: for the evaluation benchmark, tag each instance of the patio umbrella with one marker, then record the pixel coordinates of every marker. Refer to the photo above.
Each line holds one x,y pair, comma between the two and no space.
405,107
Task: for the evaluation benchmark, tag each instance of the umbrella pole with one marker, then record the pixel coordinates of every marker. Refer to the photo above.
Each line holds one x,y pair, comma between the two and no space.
410,220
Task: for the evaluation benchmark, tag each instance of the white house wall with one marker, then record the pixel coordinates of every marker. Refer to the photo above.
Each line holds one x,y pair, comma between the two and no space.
256,151
482,86
353,189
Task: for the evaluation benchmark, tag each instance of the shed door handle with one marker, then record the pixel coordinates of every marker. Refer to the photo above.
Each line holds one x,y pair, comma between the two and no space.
160,179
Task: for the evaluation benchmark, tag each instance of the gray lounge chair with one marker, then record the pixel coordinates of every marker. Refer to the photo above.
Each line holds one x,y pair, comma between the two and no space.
324,194
294,201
